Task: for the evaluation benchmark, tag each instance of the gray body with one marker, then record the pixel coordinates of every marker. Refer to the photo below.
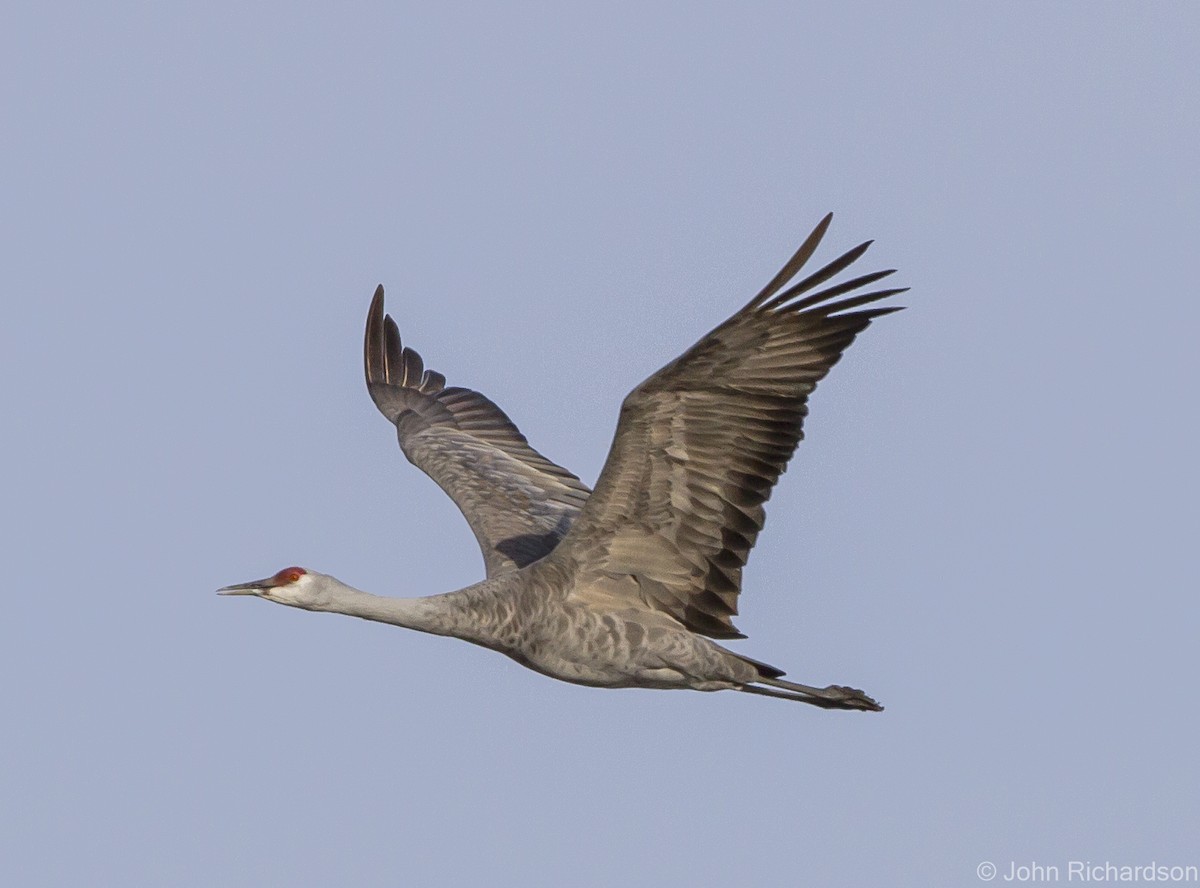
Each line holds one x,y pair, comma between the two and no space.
544,620
626,586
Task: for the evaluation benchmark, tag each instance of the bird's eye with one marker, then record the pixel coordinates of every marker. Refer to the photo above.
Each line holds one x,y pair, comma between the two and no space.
289,575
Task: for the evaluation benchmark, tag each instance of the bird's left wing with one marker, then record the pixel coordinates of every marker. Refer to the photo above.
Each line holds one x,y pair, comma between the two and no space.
518,503
700,444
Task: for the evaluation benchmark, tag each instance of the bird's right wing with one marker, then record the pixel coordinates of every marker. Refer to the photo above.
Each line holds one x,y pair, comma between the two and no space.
518,503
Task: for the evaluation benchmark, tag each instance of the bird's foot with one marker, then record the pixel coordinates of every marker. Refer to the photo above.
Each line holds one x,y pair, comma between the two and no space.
851,698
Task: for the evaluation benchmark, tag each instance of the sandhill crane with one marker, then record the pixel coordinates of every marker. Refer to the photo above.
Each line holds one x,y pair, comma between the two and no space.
624,586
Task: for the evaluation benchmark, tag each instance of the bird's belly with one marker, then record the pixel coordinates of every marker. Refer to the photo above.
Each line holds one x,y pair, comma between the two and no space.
601,675
607,650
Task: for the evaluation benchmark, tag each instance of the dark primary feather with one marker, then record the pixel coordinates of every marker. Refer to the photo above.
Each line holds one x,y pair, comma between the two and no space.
518,503
701,443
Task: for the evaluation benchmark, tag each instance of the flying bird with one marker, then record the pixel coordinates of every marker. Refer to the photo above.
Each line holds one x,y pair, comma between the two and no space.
629,584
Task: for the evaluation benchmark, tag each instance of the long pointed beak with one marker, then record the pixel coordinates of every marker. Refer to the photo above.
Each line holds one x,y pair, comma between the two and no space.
254,587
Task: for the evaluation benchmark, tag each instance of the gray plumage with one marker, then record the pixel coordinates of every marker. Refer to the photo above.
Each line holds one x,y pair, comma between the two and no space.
518,503
627,585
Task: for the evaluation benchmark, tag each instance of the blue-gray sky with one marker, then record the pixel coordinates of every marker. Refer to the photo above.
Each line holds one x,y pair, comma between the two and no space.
990,527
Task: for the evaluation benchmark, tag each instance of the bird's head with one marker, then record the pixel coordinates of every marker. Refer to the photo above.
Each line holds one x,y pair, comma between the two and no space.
292,586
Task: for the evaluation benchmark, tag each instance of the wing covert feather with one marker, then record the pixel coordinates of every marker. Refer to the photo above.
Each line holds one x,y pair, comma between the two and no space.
518,503
701,443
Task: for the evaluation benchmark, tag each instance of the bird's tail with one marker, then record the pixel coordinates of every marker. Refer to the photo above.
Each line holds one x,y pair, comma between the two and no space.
766,670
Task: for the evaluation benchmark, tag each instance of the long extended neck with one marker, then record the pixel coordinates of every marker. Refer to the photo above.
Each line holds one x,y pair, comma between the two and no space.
463,614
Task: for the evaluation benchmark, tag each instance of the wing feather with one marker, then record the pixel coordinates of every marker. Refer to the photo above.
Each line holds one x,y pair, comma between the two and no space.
518,503
701,443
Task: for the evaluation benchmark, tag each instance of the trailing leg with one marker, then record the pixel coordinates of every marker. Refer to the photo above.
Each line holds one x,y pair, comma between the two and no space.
832,697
